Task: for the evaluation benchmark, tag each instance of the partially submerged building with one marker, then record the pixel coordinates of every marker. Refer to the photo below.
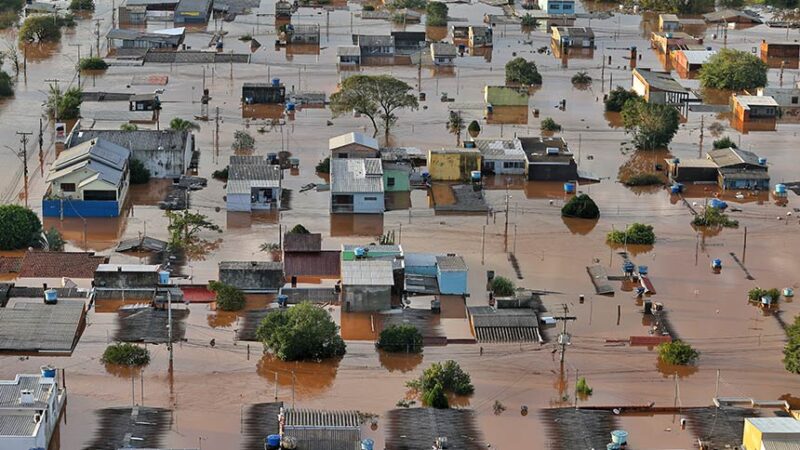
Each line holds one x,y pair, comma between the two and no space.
732,16
780,54
283,9
253,184
453,164
788,100
367,285
31,326
753,113
480,36
451,275
771,433
357,186
30,409
409,41
687,63
353,145
730,168
556,7
668,22
502,156
443,54
348,55
193,11
660,88
374,45
505,96
88,180
263,93
252,276
549,159
123,38
666,42
303,256
302,34
573,37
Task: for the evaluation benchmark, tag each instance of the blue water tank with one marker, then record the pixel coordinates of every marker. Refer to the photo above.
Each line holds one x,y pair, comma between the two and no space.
48,371
676,188
276,82
780,189
766,300
628,266
475,175
289,106
163,277
788,292
274,441
469,144
643,270
51,296
717,204
619,437
367,444
569,188
283,300
359,252
717,263
762,161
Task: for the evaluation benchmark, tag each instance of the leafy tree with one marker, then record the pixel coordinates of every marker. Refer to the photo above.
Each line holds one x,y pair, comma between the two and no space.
299,229
581,206
21,227
228,298
755,294
791,352
713,217
93,63
581,79
455,124
528,21
502,287
644,179
54,241
184,226
449,375
582,387
39,28
724,142
64,105
375,96
734,70
617,98
677,6
221,174
139,173
81,5
400,338
128,127
474,128
242,141
677,353
436,13
179,124
636,234
652,125
324,166
435,397
518,70
125,354
6,85
302,332
548,124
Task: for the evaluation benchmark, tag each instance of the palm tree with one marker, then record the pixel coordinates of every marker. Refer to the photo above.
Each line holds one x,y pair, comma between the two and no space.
455,125
179,124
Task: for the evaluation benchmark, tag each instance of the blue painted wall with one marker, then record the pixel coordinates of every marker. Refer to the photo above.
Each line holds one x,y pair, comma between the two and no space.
80,208
452,283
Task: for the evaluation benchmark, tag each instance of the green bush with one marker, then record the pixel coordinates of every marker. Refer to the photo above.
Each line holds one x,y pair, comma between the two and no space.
436,14
221,174
581,206
581,79
755,294
713,217
228,298
724,142
474,128
302,332
502,287
299,229
518,70
636,234
125,354
616,99
324,166
400,338
6,85
55,241
179,124
448,375
39,28
64,105
645,179
242,141
368,8
435,397
791,352
677,353
734,70
139,173
21,227
93,63
128,127
548,124
582,388
81,5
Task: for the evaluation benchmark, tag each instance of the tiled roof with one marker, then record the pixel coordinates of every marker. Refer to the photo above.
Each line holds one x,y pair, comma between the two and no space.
37,264
325,263
298,242
10,264
451,263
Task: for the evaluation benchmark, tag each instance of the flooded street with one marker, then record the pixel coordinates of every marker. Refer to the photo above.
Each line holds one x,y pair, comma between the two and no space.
209,387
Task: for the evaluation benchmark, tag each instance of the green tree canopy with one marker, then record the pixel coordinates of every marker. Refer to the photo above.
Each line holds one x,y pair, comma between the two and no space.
64,105
184,226
302,332
524,72
93,63
502,287
449,375
636,234
734,70
81,5
400,338
125,354
228,298
652,125
21,227
179,124
299,229
40,28
436,14
54,240
617,98
6,84
791,351
581,206
139,173
677,352
375,96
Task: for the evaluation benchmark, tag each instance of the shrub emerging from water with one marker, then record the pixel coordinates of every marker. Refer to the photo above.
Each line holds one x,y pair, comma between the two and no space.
324,166
713,217
636,234
302,332
581,206
139,173
125,354
400,338
502,287
93,63
440,379
791,352
581,79
229,298
755,294
548,124
677,353
524,72
582,388
644,179
616,99
724,142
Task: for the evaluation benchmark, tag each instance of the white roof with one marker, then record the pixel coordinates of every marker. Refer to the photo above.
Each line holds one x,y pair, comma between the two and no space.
775,424
246,186
128,267
356,175
374,272
754,100
698,56
352,138
348,50
172,31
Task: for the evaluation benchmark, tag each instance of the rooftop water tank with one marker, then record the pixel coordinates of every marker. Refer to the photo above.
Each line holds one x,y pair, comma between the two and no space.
48,371
788,292
552,150
274,441
569,188
643,270
276,82
716,264
489,108
163,277
359,252
51,296
475,175
469,144
289,106
780,189
619,437
762,161
717,204
367,444
283,300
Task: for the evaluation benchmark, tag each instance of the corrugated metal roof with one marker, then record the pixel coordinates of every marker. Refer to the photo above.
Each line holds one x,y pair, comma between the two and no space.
775,424
352,138
732,156
356,175
374,40
250,265
443,49
662,81
10,391
100,156
298,418
451,263
698,56
18,424
128,268
29,326
366,272
500,149
576,32
781,444
301,242
754,100
324,430
348,50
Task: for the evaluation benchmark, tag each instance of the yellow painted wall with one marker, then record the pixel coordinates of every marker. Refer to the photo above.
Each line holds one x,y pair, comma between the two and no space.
751,439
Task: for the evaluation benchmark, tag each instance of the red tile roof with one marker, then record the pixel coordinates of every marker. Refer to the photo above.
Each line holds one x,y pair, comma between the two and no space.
324,264
37,264
10,264
296,242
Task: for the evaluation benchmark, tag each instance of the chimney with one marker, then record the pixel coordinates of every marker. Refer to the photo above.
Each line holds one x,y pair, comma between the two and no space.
26,397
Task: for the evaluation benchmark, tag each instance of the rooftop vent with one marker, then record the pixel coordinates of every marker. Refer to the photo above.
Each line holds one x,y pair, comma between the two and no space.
26,397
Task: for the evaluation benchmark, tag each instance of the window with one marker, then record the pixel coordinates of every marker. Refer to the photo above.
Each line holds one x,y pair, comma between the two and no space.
100,195
794,100
555,6
390,181
68,187
370,199
513,165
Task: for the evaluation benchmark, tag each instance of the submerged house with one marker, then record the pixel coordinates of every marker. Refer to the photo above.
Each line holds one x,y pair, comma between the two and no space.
367,285
451,275
348,55
788,100
453,164
666,42
555,7
740,169
253,184
660,88
374,45
357,186
252,276
443,54
480,36
170,38
353,145
165,153
727,16
409,41
30,409
668,22
573,37
780,54
263,93
88,180
687,63
549,159
396,177
753,113
302,34
303,256
505,96
502,156
193,11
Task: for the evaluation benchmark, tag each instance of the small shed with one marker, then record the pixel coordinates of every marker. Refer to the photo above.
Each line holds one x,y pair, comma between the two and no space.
367,285
692,170
263,93
353,145
451,273
687,63
668,22
193,11
252,276
443,54
348,55
453,164
753,113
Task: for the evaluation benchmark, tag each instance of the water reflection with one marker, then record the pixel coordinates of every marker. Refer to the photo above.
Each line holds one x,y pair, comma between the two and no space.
668,370
579,226
310,378
356,225
123,371
509,115
399,362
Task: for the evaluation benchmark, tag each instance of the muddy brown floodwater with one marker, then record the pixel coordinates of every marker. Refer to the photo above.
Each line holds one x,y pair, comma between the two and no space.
210,387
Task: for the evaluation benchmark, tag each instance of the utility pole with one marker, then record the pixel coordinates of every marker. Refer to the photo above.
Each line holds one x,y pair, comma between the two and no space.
564,337
702,135
113,14
505,233
419,76
79,62
58,96
716,387
603,74
744,246
97,34
216,134
41,145
24,141
169,324
483,243
292,389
